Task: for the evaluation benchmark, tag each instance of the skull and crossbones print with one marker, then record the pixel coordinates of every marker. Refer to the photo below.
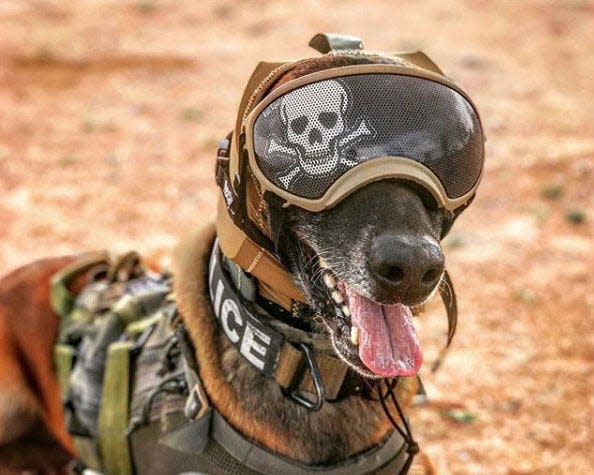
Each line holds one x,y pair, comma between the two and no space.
317,137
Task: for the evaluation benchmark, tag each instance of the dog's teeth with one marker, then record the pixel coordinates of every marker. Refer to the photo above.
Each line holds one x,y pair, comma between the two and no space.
337,297
345,310
329,281
355,336
323,264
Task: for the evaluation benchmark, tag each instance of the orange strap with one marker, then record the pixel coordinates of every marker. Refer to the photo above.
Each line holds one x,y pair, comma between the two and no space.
274,282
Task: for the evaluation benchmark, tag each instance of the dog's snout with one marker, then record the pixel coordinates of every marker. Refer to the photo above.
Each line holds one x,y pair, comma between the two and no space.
404,267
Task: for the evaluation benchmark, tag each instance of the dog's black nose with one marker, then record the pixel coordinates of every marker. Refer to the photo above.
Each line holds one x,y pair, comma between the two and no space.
405,267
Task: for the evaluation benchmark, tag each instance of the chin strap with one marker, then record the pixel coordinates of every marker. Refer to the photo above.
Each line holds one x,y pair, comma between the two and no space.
273,280
448,297
412,448
246,245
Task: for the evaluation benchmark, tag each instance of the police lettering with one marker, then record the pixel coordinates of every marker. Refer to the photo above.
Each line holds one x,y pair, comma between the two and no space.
251,341
254,346
231,320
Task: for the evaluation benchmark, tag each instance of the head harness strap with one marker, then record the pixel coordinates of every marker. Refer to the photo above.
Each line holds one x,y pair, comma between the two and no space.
254,253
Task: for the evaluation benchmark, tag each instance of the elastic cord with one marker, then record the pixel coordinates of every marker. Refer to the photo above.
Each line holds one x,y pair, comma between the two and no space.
412,448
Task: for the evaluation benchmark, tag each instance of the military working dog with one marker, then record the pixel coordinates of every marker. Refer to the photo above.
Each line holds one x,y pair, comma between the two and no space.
340,179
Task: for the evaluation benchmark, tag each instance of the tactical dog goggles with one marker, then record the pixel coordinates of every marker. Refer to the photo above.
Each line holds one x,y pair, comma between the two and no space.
316,139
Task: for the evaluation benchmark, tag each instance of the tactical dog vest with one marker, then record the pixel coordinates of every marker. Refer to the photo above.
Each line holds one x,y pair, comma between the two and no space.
129,377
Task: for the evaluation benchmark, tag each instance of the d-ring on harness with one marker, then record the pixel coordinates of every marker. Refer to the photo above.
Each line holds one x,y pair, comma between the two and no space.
293,391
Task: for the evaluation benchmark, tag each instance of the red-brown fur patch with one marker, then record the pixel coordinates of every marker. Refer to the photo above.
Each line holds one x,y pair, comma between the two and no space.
32,432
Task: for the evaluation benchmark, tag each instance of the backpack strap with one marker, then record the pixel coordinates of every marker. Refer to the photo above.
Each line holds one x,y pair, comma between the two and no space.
114,412
109,316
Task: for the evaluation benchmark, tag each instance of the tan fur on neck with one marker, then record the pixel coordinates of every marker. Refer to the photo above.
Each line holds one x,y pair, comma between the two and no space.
191,291
253,404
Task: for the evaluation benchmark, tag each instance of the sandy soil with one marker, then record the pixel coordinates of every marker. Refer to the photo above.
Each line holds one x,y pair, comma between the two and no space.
111,111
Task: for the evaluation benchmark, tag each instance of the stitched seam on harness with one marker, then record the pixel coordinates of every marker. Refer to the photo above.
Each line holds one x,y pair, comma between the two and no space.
256,261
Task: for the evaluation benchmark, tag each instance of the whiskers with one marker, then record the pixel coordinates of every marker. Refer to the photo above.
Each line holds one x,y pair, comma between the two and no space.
311,267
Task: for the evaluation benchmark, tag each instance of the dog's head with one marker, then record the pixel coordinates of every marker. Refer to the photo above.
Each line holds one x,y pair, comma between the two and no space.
362,175
363,264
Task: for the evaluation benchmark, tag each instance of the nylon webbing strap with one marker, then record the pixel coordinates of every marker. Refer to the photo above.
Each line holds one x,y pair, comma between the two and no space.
256,260
63,359
289,371
256,458
253,256
258,343
62,300
114,412
263,70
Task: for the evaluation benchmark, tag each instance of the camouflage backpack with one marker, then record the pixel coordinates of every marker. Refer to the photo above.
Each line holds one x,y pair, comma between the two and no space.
120,363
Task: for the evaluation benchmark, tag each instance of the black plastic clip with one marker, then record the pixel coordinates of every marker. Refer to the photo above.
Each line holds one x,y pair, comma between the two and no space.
222,164
293,390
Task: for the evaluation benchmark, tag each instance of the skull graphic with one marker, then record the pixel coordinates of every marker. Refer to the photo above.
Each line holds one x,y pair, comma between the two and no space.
314,119
317,136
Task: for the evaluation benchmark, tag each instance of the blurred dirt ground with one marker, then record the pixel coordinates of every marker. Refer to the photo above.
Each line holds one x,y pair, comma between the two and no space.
111,112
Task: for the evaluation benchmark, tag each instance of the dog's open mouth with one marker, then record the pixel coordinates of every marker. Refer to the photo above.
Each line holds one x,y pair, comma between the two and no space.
383,334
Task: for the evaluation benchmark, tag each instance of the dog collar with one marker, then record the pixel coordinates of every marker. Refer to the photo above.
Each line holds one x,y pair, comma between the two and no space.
300,362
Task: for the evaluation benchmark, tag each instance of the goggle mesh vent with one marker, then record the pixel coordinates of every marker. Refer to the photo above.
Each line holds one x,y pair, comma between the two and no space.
307,138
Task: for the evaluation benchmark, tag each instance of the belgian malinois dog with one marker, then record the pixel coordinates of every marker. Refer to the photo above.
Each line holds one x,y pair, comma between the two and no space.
344,172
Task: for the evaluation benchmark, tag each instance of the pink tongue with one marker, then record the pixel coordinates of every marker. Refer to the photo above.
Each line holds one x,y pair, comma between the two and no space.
388,344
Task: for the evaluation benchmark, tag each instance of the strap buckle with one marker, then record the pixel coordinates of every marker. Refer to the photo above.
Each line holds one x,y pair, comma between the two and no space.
224,146
197,403
293,390
222,163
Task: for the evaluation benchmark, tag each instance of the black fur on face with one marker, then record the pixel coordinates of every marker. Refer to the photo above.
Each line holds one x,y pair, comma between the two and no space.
381,242
368,241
